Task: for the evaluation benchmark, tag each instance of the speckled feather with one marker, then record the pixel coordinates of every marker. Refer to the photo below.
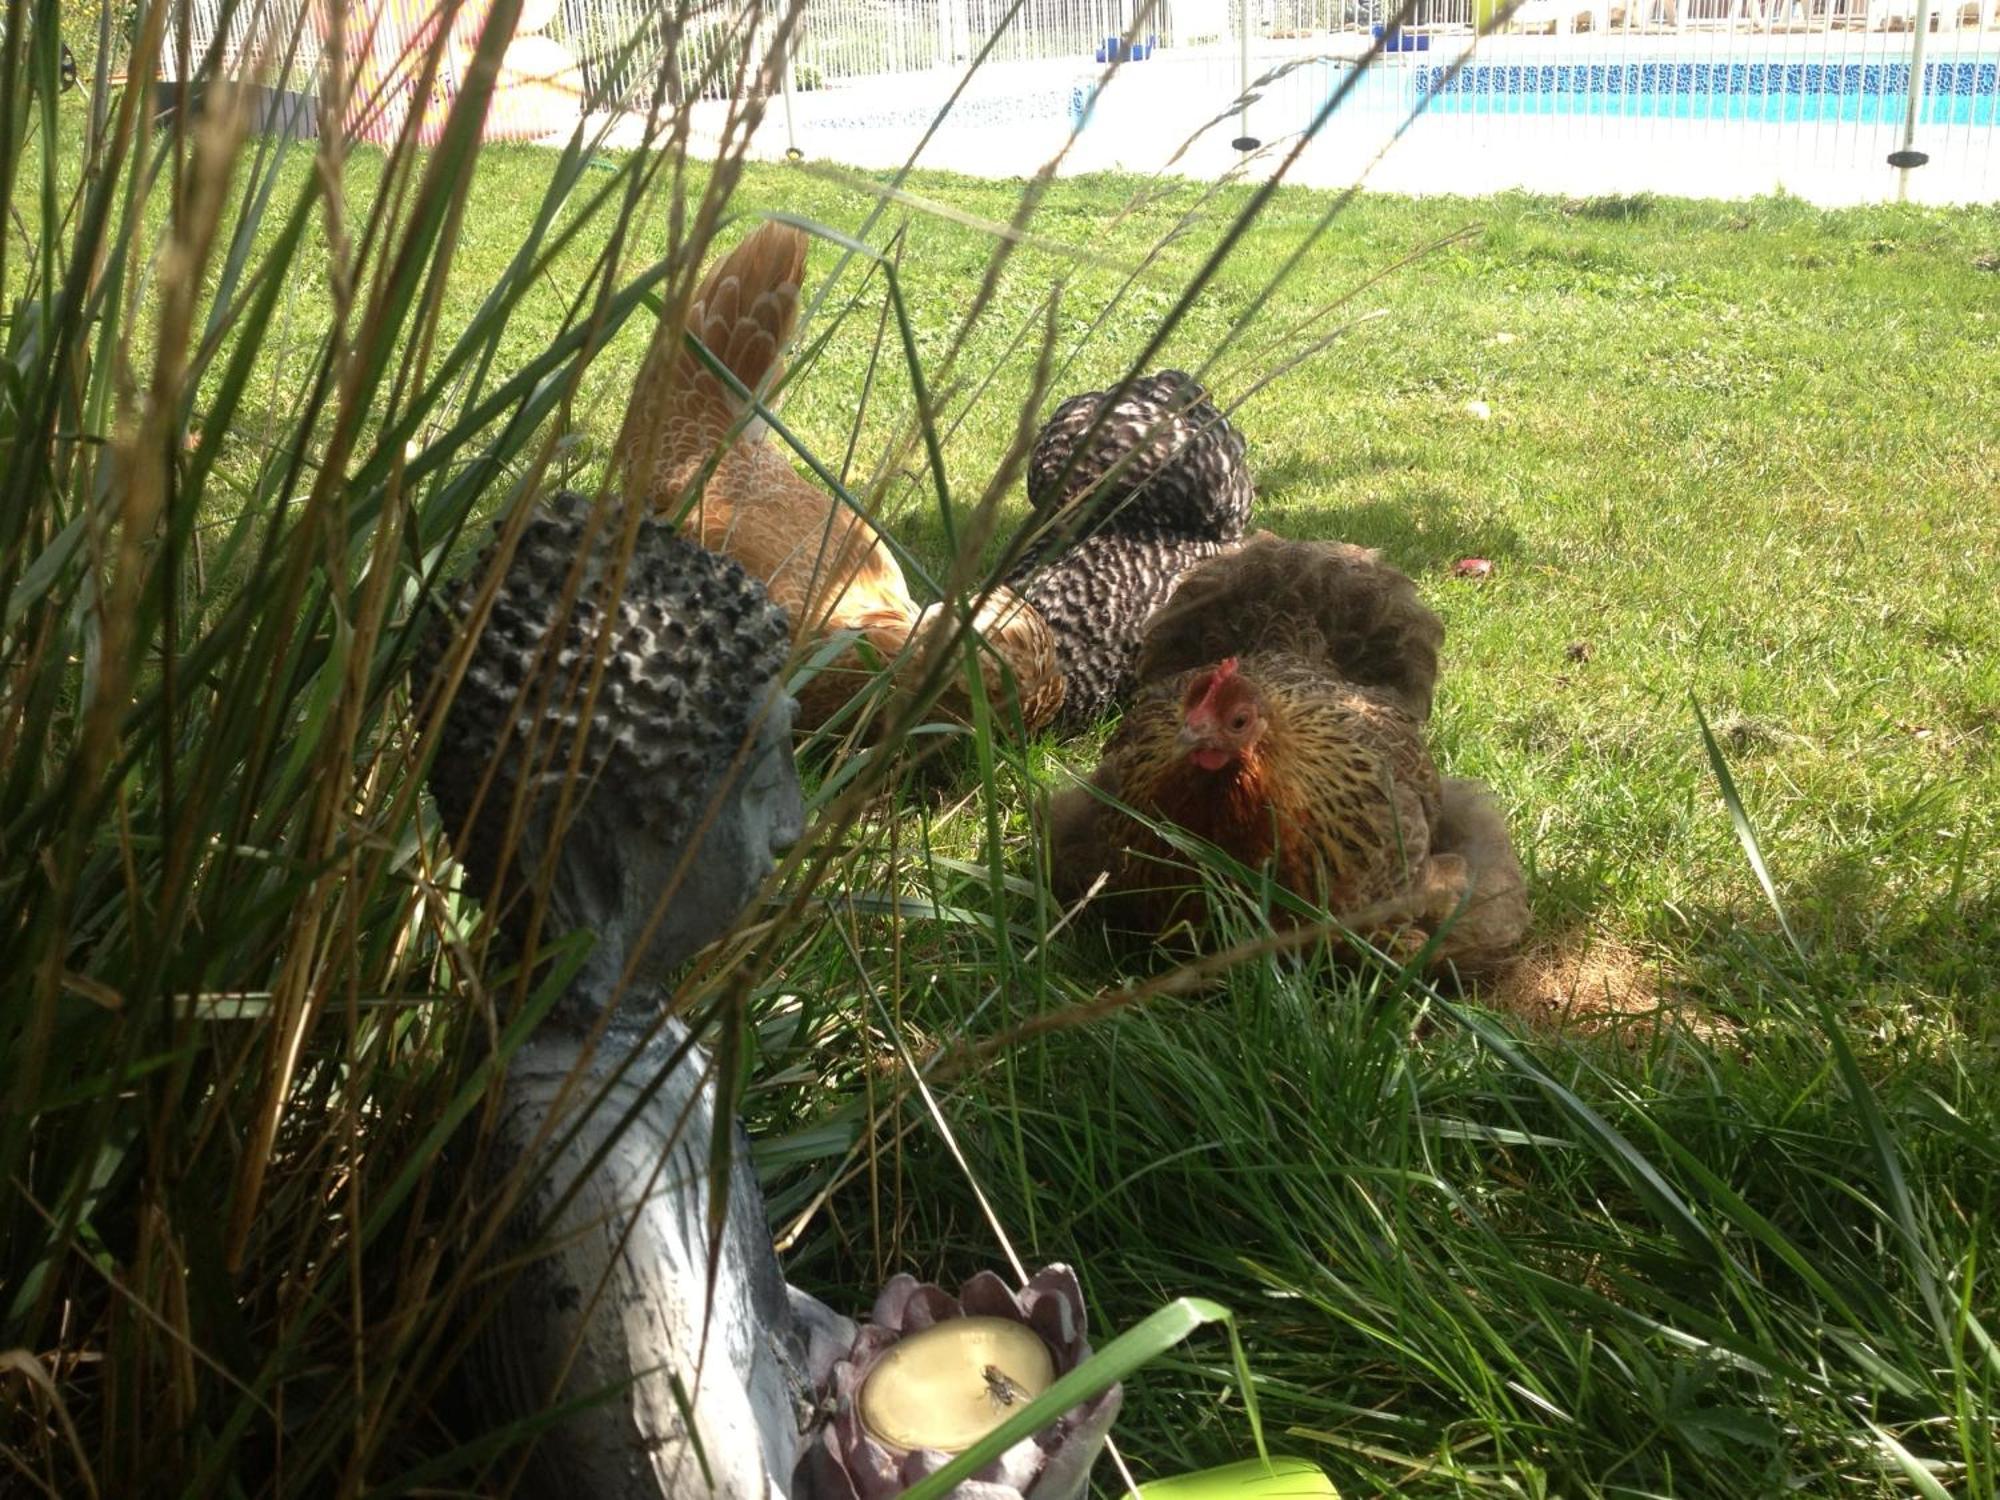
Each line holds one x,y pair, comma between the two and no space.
1180,468
1097,597
1181,498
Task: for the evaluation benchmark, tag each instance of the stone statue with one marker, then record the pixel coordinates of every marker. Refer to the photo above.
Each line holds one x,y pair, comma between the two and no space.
684,797
687,1373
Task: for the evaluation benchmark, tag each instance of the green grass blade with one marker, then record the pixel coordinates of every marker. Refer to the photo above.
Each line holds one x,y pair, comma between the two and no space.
1920,1256
1138,1345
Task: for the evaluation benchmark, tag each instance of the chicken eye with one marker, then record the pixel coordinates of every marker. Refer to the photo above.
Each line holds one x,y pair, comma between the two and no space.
1239,723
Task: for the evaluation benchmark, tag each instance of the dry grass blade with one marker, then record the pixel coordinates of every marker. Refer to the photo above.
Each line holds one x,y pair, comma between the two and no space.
31,1372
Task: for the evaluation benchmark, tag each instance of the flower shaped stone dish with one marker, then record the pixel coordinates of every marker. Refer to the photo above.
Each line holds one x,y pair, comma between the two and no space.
930,1373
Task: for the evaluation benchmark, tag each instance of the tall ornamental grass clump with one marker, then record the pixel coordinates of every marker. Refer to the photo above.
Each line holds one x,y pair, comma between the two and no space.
243,1004
246,422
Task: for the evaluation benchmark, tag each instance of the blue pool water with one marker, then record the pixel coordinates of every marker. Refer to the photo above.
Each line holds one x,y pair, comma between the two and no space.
1957,91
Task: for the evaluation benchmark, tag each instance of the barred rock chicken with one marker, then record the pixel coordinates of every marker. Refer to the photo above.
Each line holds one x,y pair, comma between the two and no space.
1179,463
823,563
1157,488
1280,718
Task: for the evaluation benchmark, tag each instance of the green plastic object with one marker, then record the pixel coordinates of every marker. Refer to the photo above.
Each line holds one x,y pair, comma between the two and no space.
1254,1479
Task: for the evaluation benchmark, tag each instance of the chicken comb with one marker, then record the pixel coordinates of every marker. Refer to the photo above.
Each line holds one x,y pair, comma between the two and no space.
1202,691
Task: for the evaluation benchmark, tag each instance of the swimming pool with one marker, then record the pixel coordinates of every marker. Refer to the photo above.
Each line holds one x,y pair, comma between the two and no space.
1957,90
1699,115
1961,88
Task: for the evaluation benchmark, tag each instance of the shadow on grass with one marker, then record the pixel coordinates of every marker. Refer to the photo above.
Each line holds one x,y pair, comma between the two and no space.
1878,953
1423,533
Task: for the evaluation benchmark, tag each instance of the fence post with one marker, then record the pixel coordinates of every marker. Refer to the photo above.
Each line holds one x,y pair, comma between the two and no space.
1906,156
792,152
1244,141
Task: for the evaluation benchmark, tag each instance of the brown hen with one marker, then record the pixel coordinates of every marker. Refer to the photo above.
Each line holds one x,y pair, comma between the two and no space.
823,562
1280,718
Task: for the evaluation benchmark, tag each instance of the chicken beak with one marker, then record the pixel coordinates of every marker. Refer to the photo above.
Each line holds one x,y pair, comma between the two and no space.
1190,738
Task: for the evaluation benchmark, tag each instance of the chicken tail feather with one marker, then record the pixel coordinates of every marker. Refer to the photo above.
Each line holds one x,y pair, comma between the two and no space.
746,305
743,311
1489,908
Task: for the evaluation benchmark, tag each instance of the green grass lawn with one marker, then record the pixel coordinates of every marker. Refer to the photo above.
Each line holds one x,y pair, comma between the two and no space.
1680,1209
1741,452
1735,455
1740,456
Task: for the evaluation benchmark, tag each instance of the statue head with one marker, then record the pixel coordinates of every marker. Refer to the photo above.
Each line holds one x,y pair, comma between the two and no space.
652,812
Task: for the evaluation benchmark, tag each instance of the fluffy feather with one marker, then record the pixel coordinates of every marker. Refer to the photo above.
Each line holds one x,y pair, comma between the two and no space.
1268,748
1476,889
1337,796
1329,601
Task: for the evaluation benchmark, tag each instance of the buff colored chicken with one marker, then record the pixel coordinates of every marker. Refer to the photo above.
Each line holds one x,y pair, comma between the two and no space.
1280,718
825,564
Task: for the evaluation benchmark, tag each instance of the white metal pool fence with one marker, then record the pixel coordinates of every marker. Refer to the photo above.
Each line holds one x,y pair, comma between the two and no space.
845,40
622,43
1723,97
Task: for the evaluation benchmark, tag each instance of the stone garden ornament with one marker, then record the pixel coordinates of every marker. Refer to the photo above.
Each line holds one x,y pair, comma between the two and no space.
649,819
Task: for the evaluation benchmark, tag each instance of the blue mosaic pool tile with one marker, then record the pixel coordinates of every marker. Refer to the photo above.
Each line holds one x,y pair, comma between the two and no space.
1956,91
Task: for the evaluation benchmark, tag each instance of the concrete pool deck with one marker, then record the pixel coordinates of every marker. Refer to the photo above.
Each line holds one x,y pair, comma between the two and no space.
1014,117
